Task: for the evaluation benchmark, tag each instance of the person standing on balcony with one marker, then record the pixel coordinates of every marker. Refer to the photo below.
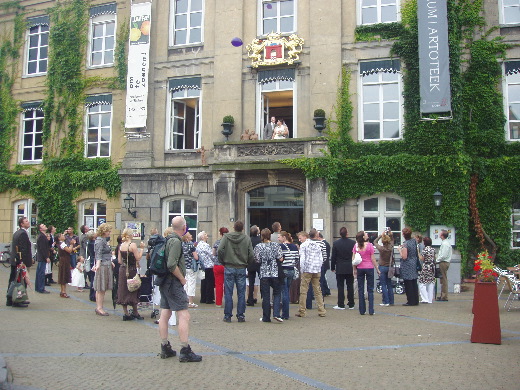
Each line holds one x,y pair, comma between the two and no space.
269,128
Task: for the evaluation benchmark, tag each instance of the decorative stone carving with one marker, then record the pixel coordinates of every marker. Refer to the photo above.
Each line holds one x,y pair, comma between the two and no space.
289,148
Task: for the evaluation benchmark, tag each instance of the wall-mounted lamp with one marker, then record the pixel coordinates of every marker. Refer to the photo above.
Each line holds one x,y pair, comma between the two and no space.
437,198
130,204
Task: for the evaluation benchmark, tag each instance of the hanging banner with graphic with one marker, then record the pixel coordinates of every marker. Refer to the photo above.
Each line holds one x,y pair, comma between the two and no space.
434,59
138,60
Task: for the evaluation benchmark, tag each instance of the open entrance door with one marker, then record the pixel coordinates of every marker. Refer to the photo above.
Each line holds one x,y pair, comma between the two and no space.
267,205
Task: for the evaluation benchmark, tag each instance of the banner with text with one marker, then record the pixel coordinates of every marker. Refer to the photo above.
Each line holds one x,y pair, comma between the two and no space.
434,56
138,60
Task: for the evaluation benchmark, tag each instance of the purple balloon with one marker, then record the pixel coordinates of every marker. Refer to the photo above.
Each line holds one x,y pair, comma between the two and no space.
237,42
269,6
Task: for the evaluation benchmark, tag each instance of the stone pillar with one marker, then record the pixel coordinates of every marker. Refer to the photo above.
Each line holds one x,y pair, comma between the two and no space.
317,202
224,185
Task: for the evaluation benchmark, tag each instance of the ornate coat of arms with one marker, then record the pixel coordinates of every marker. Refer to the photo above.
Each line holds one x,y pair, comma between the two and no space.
275,50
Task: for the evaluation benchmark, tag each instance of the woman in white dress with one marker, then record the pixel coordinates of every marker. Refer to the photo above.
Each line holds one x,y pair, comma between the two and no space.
280,131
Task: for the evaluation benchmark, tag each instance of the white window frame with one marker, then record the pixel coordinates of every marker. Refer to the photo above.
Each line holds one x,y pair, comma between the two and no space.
188,26
28,213
509,80
99,142
260,26
39,47
95,218
260,106
188,93
381,214
381,101
96,21
183,199
379,5
515,229
34,133
504,9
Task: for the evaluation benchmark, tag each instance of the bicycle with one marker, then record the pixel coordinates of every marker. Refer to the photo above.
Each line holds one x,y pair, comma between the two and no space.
5,256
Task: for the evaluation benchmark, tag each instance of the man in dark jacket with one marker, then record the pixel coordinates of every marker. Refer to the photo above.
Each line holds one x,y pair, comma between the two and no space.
21,251
341,264
254,268
235,252
42,257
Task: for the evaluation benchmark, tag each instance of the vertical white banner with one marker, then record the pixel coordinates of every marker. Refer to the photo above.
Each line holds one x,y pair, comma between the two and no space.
138,64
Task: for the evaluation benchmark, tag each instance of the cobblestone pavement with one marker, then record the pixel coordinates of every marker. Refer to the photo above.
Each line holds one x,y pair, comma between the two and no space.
60,343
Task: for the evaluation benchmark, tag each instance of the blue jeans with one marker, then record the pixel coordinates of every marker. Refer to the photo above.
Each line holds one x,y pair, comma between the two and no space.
286,285
234,276
40,276
386,286
265,288
73,260
367,273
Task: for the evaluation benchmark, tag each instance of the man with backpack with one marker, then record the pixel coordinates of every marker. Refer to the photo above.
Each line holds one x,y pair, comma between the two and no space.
173,295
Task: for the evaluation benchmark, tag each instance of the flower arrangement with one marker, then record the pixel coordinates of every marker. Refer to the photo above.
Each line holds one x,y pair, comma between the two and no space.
484,268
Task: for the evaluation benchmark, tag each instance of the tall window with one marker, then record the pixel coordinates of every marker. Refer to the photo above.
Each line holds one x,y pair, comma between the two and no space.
181,207
381,211
184,127
187,21
32,131
102,35
512,96
378,11
94,213
515,225
380,97
99,124
37,45
28,209
509,12
278,16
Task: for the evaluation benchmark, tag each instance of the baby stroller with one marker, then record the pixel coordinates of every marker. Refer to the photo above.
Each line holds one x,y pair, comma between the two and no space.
397,285
146,295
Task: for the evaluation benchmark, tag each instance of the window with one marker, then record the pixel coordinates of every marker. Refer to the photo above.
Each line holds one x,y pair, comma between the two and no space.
181,207
93,213
378,11
37,45
380,98
32,132
102,35
512,98
184,127
28,209
99,125
381,211
509,12
187,21
515,225
278,16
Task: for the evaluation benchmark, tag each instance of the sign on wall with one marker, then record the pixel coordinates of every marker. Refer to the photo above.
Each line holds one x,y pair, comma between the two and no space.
435,234
138,64
434,60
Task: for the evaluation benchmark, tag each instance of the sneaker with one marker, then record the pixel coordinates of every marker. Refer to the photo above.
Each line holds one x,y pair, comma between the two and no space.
167,351
338,307
278,319
241,319
186,355
351,307
227,319
384,304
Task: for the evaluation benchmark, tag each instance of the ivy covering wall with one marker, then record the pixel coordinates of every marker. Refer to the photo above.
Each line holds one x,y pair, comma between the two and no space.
64,173
435,155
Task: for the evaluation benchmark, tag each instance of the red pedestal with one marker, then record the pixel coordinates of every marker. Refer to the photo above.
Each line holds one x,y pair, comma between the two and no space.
486,320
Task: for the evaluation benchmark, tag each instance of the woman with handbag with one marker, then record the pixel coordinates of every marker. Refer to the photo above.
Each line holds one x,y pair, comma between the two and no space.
386,257
191,259
104,279
365,270
409,265
128,258
427,274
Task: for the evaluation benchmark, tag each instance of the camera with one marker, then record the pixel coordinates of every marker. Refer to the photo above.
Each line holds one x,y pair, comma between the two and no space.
388,230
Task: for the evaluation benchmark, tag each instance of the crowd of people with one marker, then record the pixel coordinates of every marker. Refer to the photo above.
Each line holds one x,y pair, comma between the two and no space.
282,269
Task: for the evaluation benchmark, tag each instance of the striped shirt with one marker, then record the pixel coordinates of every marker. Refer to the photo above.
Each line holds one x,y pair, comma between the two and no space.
290,255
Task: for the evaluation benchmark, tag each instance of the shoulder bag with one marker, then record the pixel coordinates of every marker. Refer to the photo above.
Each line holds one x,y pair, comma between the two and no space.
391,269
135,283
17,290
357,258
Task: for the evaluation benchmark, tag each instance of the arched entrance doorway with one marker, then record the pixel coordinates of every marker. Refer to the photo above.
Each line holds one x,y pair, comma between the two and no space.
266,205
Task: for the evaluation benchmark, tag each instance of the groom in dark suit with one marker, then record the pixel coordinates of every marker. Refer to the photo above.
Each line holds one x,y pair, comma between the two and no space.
269,128
21,245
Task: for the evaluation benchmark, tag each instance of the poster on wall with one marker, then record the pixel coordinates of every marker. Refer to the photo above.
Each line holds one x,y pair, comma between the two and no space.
435,234
136,229
138,64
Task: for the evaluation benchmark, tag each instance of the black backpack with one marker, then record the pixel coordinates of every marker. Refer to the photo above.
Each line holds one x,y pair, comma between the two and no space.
158,260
